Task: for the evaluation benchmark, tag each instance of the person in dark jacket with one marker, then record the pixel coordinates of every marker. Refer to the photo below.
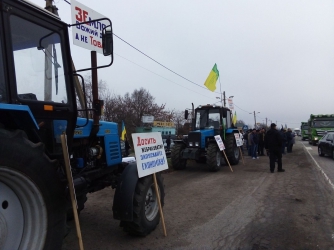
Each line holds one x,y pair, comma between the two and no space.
168,142
289,141
127,146
261,142
255,141
283,137
273,145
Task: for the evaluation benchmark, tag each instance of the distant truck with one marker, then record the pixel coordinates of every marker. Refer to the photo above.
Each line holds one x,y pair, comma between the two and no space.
304,130
297,131
318,126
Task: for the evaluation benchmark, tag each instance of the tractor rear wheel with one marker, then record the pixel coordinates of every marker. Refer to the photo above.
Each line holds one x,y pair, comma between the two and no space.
214,157
176,156
146,214
231,149
33,204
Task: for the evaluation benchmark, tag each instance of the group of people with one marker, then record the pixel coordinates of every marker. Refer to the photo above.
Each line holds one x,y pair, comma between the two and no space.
273,141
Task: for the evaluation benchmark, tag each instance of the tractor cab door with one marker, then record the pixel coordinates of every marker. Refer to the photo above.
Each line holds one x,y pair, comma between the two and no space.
39,73
226,118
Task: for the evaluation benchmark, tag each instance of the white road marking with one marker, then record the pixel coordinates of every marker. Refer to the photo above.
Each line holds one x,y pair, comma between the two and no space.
321,170
308,148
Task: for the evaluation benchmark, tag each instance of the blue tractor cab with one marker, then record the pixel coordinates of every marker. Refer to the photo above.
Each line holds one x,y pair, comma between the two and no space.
200,144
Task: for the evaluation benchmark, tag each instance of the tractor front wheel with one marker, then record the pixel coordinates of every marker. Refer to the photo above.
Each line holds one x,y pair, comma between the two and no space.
231,149
176,156
214,157
146,214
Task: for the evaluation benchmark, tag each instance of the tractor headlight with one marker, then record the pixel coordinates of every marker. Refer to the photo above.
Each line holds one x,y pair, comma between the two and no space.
191,144
315,138
196,144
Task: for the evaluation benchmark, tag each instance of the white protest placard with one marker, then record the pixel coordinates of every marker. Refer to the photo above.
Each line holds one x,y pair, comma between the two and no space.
150,153
238,140
220,142
89,35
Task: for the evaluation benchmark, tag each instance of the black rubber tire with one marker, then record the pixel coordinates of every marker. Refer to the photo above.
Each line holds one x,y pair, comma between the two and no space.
212,155
176,156
320,153
81,200
27,161
141,224
314,143
231,150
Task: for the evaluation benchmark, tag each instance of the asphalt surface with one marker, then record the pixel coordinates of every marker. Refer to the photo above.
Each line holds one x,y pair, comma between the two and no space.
250,208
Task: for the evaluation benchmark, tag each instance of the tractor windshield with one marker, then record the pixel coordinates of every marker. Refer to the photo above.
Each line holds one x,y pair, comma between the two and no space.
207,118
3,95
38,62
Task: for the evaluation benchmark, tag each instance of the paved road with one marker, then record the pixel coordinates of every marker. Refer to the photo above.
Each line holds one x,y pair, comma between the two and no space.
324,163
250,208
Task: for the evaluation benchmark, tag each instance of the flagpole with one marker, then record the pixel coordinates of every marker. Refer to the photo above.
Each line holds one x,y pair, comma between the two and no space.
221,94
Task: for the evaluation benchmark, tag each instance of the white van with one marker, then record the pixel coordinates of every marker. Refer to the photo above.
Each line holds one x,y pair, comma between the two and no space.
297,131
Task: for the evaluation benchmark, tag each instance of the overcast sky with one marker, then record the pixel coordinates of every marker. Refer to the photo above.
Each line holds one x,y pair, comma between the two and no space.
274,57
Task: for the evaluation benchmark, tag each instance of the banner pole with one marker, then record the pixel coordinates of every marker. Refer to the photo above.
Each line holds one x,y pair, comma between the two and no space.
159,202
71,188
227,161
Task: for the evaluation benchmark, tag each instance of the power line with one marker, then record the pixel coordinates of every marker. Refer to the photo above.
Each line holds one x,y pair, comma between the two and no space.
161,76
171,71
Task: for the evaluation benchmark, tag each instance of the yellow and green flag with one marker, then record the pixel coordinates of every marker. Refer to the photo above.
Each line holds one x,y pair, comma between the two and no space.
123,132
234,119
210,82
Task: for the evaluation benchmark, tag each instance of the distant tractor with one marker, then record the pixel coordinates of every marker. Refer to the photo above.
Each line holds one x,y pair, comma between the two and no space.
200,144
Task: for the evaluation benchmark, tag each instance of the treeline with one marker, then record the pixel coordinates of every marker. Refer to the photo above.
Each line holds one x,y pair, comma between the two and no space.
131,107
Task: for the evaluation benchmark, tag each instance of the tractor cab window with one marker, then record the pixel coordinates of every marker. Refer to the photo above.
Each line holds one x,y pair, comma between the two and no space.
3,95
207,119
228,123
38,62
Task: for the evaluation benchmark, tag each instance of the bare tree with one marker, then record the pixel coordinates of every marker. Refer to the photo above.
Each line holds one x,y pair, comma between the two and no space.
140,103
87,88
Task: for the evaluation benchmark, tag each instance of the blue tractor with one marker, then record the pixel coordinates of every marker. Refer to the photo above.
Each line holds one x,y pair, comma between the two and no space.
38,103
200,144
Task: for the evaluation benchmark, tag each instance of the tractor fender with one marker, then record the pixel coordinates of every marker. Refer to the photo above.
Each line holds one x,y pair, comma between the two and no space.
17,116
231,131
123,198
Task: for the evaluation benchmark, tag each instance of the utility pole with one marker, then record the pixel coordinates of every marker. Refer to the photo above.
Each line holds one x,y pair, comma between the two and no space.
224,99
255,118
47,84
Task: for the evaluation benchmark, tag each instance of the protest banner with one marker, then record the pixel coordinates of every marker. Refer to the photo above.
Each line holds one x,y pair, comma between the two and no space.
239,143
221,146
151,158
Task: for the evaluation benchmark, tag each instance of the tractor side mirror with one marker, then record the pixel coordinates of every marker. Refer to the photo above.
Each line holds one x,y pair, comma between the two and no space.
107,41
186,113
224,113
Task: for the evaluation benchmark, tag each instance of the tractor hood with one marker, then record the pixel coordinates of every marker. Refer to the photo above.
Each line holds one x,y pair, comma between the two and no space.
199,137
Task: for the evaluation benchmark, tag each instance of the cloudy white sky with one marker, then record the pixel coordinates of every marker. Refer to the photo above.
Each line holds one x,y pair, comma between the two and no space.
274,57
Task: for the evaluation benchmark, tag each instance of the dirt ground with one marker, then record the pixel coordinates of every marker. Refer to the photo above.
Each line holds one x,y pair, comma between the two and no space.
250,208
